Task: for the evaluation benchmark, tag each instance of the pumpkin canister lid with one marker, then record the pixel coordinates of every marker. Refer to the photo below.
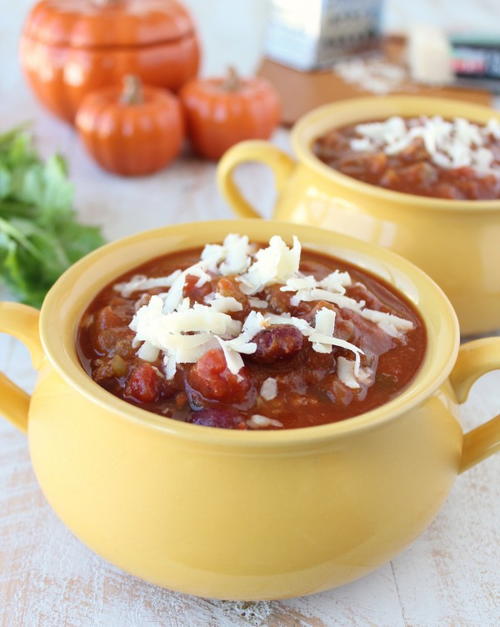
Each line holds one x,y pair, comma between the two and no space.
107,23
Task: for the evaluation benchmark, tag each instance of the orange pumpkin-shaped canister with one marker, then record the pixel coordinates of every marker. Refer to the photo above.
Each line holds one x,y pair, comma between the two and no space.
132,131
72,47
221,112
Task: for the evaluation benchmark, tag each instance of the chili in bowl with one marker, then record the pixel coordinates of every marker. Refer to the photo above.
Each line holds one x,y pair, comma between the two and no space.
264,511
242,335
427,156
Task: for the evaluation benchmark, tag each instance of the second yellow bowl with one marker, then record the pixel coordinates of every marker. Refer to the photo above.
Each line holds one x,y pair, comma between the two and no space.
456,242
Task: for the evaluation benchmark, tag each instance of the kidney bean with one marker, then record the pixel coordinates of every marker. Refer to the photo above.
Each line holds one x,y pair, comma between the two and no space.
277,343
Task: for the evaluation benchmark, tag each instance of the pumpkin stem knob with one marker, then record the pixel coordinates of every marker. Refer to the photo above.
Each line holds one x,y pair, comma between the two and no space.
132,93
232,81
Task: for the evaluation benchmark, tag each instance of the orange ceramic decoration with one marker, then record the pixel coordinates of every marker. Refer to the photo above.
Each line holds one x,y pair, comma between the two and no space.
72,47
131,131
457,242
244,514
224,111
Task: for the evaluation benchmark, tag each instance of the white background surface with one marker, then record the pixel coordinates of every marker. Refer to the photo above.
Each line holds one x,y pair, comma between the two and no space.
449,576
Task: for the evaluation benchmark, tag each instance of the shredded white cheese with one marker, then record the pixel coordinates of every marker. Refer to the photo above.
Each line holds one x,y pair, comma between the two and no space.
391,324
183,331
148,352
233,358
352,377
319,294
274,264
140,283
335,282
346,374
258,422
223,304
450,144
236,259
258,303
269,389
324,326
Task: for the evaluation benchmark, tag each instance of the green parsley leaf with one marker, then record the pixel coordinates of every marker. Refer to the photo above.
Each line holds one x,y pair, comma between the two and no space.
39,234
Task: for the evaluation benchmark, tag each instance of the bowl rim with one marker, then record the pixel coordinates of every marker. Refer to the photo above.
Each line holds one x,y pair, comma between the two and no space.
301,140
62,356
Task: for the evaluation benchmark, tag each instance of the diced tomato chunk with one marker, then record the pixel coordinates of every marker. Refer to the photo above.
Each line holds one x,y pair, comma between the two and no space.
211,377
144,384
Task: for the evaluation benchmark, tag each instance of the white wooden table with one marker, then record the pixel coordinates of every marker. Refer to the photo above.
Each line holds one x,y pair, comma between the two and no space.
449,576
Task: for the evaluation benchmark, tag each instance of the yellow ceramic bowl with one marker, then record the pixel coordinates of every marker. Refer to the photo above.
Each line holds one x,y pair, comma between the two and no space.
243,515
456,242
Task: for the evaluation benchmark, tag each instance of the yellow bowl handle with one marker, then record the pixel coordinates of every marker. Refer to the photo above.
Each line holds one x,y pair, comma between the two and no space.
280,163
475,359
21,322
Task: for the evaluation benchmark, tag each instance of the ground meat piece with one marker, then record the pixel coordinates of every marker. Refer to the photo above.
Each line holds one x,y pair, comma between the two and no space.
230,287
107,318
142,301
376,163
123,346
331,143
211,377
359,292
344,328
318,365
144,384
387,381
116,340
224,418
298,402
421,174
102,369
123,307
447,190
340,393
108,368
357,165
196,293
367,335
416,151
277,343
390,179
278,301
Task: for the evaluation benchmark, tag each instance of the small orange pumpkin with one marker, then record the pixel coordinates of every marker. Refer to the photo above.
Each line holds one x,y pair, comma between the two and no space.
221,112
132,131
70,48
